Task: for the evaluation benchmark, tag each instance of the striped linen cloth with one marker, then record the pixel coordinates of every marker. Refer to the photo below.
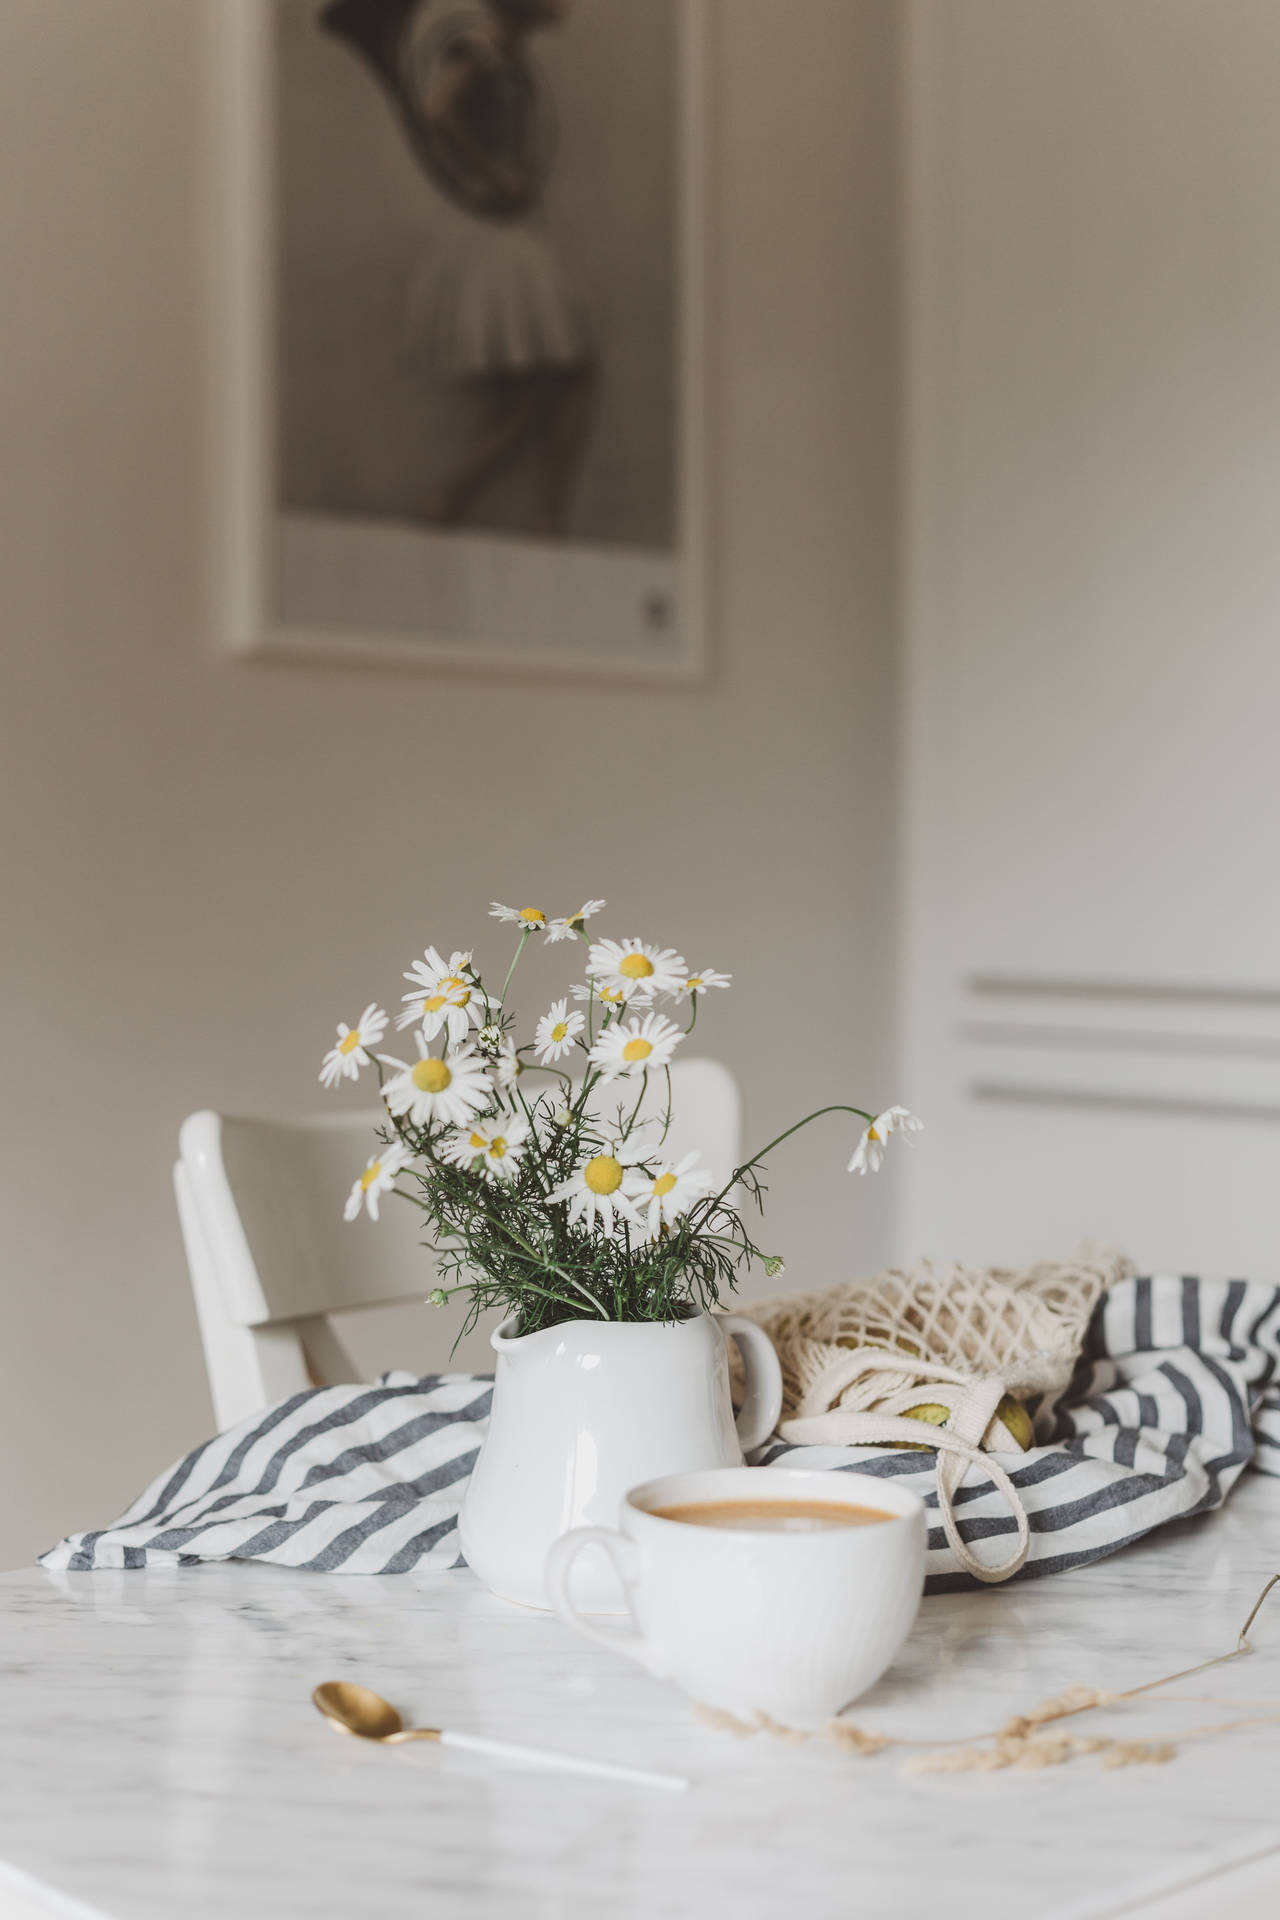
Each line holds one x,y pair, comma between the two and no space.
1176,1392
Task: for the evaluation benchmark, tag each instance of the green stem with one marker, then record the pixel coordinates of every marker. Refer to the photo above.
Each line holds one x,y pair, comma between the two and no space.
706,1205
549,1266
523,942
495,1222
644,1088
589,1081
504,1228
666,1125
535,1158
577,1285
546,1294
533,1066
727,1240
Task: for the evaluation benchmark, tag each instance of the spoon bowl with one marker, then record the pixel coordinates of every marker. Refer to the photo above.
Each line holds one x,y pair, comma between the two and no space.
359,1710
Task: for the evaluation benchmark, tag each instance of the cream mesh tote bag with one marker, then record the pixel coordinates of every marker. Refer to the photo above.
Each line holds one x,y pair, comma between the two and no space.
860,1360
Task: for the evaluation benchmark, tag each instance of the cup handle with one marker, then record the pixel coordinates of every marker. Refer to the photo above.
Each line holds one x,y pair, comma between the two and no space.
758,1415
626,1560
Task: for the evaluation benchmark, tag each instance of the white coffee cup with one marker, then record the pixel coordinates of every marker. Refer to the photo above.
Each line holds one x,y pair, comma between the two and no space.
792,1625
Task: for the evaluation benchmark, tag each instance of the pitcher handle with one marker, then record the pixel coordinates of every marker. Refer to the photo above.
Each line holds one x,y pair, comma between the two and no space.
762,1405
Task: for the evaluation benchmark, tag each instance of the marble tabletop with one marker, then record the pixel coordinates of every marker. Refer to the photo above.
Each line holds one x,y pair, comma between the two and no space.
159,1755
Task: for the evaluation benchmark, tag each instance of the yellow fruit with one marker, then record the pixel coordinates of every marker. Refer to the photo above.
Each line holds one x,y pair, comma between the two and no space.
1016,1421
1011,1414
847,1341
933,1415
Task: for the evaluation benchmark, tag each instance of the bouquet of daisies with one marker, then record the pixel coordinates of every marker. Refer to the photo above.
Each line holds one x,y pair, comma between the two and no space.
541,1167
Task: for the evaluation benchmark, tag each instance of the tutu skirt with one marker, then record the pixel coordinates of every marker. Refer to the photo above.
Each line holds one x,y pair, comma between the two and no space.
490,297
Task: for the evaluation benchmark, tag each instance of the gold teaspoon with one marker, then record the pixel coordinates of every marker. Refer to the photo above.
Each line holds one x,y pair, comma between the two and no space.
360,1711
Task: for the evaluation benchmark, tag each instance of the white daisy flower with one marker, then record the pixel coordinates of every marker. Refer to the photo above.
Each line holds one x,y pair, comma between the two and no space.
556,1032
451,1089
504,1064
868,1155
571,924
532,919
497,1143
594,1190
604,996
697,983
665,1194
635,1045
344,1061
636,967
441,997
378,1178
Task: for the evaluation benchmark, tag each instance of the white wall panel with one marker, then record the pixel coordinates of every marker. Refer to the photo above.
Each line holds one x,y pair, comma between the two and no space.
1092,780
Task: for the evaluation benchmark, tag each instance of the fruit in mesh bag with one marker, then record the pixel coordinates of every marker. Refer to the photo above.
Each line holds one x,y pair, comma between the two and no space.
933,1414
1014,1417
852,1342
1011,1414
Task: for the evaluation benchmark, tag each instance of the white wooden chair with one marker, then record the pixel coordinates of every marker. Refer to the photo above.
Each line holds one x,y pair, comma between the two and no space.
260,1203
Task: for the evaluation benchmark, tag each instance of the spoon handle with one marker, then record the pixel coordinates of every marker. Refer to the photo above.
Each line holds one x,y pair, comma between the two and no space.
564,1762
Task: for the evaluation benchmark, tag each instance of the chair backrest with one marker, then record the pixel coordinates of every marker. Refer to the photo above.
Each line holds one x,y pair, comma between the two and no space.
260,1203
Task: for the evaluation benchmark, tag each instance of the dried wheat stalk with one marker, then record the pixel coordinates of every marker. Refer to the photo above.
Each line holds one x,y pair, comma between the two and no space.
1020,1742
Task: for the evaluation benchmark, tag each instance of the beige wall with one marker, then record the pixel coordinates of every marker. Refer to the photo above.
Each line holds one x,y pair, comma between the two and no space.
1094,670
207,862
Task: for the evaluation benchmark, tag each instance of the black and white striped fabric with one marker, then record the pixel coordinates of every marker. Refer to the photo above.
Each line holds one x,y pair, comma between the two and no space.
1176,1392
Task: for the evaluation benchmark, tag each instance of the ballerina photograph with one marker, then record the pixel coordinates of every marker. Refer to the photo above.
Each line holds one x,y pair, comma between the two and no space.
479,263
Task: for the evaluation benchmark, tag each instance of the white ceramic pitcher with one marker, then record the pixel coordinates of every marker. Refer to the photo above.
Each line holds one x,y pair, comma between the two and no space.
588,1409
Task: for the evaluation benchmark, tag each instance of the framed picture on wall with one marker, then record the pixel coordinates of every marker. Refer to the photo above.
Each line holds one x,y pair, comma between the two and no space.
460,301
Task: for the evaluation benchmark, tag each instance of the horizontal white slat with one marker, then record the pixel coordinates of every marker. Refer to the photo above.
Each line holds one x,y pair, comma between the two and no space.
1205,1050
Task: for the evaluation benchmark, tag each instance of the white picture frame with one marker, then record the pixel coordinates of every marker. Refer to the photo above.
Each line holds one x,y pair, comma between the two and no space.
243,483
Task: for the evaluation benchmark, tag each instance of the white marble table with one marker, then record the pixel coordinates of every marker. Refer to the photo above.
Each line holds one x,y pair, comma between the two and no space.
159,1757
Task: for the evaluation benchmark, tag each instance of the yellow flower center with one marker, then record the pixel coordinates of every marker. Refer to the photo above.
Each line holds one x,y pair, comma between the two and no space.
574,920
637,1049
533,916
450,993
351,1042
559,1030
497,1147
663,1185
431,1076
612,994
636,966
694,981
369,1175
479,1142
603,1174
873,1135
